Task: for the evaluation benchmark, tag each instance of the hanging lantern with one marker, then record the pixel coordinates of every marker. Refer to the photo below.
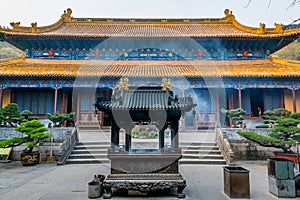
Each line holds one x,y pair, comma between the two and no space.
96,53
245,53
199,53
50,53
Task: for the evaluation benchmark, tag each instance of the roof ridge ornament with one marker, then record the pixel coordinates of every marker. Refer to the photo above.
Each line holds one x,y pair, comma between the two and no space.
124,84
67,15
262,29
166,84
228,15
15,25
34,27
278,28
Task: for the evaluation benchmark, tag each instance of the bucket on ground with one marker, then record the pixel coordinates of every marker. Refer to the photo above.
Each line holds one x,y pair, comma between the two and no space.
94,189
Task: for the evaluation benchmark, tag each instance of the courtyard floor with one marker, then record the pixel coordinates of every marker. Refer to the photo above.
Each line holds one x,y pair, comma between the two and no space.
51,182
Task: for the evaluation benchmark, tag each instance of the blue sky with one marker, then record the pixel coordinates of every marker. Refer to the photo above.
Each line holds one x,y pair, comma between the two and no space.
48,12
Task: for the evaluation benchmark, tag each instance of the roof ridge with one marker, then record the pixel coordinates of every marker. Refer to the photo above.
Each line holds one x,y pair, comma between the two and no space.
228,19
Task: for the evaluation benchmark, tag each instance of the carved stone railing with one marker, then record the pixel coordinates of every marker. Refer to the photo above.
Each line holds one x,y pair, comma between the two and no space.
224,146
68,146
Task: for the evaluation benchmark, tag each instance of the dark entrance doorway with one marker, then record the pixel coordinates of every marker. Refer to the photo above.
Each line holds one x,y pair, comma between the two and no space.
257,102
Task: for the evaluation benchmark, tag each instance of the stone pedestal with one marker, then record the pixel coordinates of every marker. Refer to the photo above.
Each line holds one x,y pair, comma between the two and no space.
144,171
144,183
123,162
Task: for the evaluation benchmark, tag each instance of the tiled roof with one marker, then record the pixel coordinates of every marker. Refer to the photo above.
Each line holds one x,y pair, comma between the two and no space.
148,30
142,99
203,68
145,98
227,26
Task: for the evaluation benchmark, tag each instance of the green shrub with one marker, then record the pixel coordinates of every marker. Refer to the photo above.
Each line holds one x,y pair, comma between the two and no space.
11,114
33,130
284,134
135,132
262,126
235,115
58,119
295,115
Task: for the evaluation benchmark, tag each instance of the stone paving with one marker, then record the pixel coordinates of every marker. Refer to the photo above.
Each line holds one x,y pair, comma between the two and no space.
50,182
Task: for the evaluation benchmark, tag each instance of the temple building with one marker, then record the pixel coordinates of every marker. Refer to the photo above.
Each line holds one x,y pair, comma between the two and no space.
217,61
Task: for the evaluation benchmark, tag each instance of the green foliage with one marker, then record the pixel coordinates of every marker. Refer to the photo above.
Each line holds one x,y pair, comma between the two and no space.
25,116
263,138
236,115
33,131
58,119
284,133
135,132
269,141
11,114
2,118
281,112
295,115
286,129
142,132
262,126
270,116
167,132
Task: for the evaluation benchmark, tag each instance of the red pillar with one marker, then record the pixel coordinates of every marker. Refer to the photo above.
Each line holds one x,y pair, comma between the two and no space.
217,104
294,100
240,97
55,100
78,105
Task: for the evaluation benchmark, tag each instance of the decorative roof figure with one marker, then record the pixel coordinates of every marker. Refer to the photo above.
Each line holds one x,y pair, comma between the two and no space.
124,83
67,15
166,84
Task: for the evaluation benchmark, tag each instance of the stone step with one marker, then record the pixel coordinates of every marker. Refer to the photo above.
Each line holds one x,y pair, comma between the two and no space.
200,148
202,161
87,161
184,144
92,147
88,143
201,156
191,151
90,151
87,156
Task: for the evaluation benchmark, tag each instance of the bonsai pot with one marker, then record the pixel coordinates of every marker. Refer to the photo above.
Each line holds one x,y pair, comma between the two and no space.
29,158
289,156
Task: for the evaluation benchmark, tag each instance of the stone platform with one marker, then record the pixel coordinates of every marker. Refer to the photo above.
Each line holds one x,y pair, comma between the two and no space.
144,183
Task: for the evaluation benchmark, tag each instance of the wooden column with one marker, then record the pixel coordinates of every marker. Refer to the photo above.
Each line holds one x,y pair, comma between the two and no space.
55,99
231,101
240,97
78,105
294,100
217,104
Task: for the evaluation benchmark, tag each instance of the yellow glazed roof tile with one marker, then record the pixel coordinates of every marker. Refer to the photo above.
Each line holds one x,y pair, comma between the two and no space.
73,68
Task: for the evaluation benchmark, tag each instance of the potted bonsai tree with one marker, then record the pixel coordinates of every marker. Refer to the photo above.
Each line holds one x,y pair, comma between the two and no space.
270,116
33,131
59,119
284,134
10,115
235,116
